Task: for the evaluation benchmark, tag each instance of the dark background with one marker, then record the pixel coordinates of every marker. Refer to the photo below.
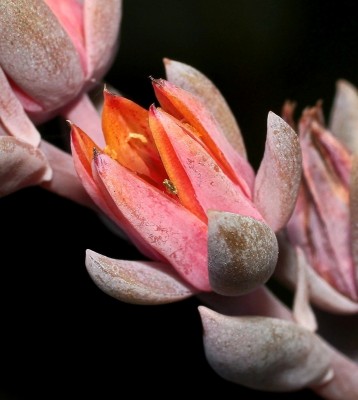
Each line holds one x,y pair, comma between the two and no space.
61,337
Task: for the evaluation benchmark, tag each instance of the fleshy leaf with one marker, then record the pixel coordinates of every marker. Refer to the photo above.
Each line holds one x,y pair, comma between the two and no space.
192,80
264,353
13,119
37,65
136,282
279,176
102,24
343,121
242,253
22,165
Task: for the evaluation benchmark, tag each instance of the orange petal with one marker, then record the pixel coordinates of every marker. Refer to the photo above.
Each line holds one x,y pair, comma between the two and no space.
200,182
185,106
128,137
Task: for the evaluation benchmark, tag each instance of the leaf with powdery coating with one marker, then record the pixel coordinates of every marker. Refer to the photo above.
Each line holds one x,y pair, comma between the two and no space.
136,282
242,253
192,80
22,165
13,119
264,353
279,176
343,121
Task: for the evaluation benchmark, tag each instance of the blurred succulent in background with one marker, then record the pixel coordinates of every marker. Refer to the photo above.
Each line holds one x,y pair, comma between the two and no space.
170,178
51,54
323,227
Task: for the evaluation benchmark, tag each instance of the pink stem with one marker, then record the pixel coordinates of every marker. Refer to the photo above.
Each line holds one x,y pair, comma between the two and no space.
65,181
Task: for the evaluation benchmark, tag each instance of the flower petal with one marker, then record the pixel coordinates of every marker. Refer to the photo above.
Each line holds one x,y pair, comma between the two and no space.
199,180
242,253
321,293
160,222
192,80
136,282
22,165
343,121
264,353
279,176
185,106
13,118
323,210
353,205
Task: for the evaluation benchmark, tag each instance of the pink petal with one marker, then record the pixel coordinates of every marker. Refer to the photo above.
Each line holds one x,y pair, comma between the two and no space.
264,353
102,24
22,165
353,205
192,80
321,293
188,107
327,208
13,118
343,121
136,282
279,176
211,187
45,65
242,253
160,222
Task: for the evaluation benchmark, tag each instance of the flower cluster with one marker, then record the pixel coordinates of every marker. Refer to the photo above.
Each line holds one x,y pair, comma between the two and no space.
176,180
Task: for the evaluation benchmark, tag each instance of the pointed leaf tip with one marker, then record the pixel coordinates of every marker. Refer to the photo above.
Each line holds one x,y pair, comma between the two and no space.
279,176
264,353
136,282
242,253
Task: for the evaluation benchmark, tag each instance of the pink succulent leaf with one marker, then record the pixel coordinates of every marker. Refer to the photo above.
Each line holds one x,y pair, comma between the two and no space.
321,293
343,121
353,211
84,114
160,222
136,282
302,310
258,302
101,34
326,209
22,165
65,181
13,119
211,186
242,253
284,355
279,175
70,15
192,80
37,65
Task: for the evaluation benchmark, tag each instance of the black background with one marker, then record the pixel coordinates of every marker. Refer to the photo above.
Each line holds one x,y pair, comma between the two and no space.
61,337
